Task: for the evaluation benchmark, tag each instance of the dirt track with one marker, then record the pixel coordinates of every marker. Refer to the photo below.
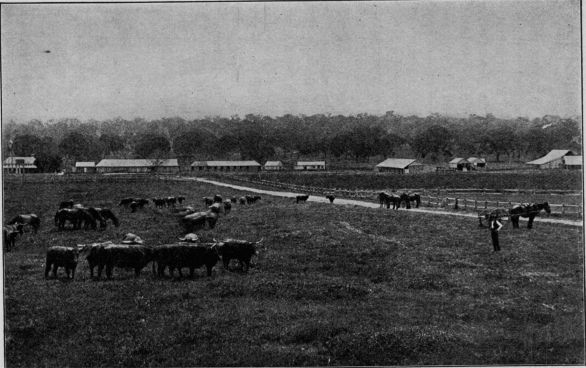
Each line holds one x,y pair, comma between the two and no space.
352,202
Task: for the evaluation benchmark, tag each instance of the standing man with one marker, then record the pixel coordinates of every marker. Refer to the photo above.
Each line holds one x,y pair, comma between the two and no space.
494,226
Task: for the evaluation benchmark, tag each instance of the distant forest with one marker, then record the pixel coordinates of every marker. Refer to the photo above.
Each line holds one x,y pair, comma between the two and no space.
58,144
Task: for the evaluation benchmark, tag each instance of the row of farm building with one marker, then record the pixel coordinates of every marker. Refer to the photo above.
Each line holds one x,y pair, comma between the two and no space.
554,159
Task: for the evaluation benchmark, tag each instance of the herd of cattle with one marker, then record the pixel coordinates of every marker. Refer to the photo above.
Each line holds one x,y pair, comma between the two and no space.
189,253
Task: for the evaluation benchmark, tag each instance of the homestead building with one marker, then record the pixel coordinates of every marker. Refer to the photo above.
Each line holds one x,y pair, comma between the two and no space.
573,162
226,166
85,167
460,164
553,160
399,166
476,162
274,166
310,165
19,165
138,166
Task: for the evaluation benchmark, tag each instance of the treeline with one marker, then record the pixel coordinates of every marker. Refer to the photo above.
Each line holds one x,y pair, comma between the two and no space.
435,138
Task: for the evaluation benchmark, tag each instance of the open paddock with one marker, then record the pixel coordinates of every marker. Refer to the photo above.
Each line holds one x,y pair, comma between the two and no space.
335,285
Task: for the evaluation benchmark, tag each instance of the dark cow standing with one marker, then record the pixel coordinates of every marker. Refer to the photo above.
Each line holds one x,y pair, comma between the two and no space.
301,198
159,202
138,203
227,206
9,235
241,250
77,217
233,199
171,201
66,204
65,257
122,256
331,198
208,201
181,255
218,198
216,207
126,202
242,200
91,252
180,199
252,199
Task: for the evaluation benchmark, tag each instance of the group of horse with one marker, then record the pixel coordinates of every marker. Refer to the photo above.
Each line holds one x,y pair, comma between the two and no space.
387,199
525,210
80,216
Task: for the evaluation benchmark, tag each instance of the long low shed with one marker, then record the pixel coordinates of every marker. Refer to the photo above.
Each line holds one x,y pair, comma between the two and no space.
225,166
164,166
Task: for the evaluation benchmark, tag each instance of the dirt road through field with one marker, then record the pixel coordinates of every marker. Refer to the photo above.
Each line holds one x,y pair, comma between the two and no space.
352,202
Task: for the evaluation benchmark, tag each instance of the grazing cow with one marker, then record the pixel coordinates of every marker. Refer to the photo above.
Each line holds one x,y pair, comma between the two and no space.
180,199
233,199
30,219
227,206
90,251
331,198
301,198
251,199
241,250
126,202
183,211
216,207
180,255
197,221
58,256
77,217
208,201
170,201
159,202
122,256
66,204
9,234
217,198
242,200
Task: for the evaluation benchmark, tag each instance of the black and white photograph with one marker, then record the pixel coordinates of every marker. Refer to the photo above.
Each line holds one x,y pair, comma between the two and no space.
289,183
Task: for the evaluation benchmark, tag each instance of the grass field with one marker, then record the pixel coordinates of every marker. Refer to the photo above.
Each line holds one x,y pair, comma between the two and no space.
544,179
332,285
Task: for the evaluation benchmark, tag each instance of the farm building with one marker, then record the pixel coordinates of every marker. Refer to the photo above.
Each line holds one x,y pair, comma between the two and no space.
477,162
399,166
162,166
310,165
553,160
274,166
460,164
85,167
573,162
19,165
225,166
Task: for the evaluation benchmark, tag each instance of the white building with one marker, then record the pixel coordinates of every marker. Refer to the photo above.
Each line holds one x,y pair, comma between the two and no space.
310,165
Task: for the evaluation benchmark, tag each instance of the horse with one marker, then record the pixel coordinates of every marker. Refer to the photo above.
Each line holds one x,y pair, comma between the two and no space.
384,199
30,219
77,217
527,210
9,234
410,197
106,214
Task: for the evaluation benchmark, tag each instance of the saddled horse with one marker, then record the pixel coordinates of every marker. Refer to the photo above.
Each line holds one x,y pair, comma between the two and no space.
30,219
411,197
527,210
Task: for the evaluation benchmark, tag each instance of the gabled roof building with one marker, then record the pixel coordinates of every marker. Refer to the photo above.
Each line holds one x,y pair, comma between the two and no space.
225,166
19,165
164,166
310,165
399,166
553,160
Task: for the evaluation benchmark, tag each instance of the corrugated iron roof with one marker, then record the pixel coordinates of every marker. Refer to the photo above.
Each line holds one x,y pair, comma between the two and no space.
273,163
13,160
108,162
458,160
573,160
85,164
396,163
551,156
225,163
476,160
311,163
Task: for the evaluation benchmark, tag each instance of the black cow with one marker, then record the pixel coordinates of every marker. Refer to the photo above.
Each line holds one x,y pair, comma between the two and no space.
216,207
66,204
251,199
227,206
241,250
180,199
159,202
208,201
126,202
9,234
138,203
301,198
180,255
331,198
58,256
170,201
218,198
122,256
233,199
242,200
90,251
199,220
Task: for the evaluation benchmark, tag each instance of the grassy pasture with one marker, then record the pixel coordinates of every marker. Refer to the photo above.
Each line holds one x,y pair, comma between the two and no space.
333,285
544,179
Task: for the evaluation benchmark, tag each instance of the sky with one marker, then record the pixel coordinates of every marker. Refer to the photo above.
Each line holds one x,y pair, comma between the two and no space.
191,60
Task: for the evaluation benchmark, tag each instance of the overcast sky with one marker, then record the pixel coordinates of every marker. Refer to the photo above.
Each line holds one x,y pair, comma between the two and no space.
100,61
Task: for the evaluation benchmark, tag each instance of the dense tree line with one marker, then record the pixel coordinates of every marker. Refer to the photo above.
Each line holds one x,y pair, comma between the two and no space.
58,144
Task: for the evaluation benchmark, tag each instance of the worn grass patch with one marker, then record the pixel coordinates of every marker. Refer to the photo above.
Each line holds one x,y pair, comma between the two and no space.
331,285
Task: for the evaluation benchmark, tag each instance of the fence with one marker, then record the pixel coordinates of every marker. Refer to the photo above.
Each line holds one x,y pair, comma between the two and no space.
463,204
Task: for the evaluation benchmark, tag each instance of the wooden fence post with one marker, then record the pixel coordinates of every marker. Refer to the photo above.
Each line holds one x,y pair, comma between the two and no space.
563,209
475,205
